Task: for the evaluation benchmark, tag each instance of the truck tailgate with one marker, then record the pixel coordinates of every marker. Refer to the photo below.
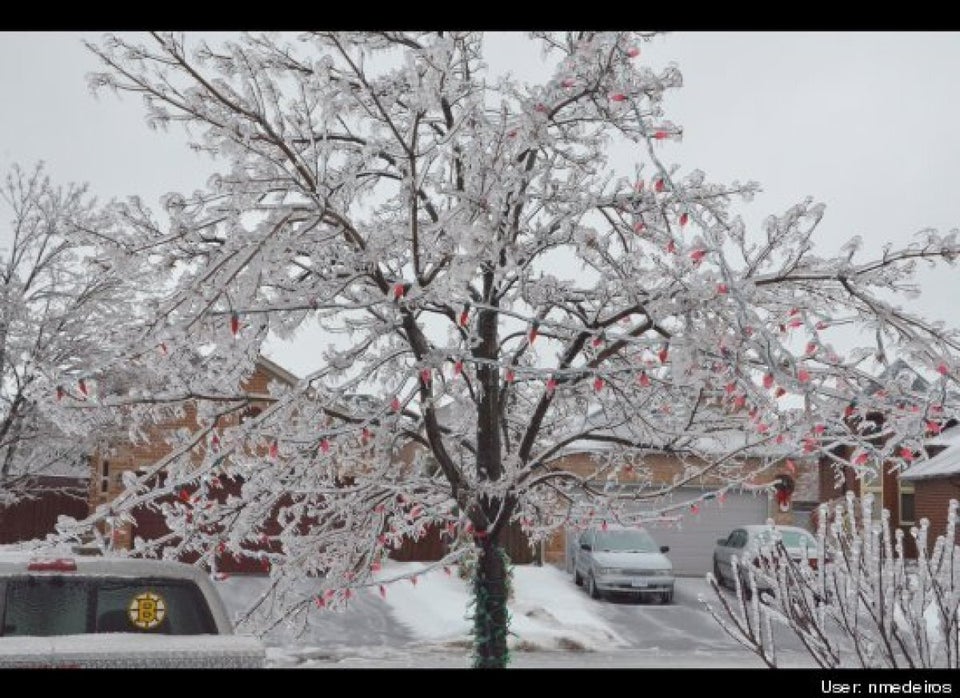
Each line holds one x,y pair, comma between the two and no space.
130,650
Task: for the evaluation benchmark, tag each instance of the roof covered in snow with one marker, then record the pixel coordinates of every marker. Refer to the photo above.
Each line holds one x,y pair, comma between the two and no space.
944,464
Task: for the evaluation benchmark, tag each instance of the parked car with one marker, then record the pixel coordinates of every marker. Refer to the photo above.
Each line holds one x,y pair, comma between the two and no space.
66,611
623,561
745,542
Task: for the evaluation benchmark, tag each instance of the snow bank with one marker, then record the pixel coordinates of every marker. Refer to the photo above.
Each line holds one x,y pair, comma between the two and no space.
548,611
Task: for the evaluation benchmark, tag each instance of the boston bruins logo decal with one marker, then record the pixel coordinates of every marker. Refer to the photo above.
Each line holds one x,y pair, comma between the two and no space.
147,610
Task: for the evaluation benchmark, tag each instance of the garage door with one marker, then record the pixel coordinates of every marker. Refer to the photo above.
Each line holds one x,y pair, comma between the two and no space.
691,546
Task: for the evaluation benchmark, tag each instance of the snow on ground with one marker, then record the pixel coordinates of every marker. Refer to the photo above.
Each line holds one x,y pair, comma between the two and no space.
548,612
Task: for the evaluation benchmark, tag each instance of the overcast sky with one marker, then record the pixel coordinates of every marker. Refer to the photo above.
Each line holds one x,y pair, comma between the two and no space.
865,122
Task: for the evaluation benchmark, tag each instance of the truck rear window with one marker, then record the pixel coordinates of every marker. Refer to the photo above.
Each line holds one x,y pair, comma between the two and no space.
67,605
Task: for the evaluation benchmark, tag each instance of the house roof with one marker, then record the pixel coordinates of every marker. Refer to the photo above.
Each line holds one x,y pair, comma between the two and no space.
720,435
943,464
277,370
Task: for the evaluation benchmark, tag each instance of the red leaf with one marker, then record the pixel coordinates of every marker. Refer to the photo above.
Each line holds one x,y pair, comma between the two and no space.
618,97
82,385
274,449
822,325
633,52
425,376
943,370
398,291
215,442
768,381
512,134
697,256
811,348
540,108
663,354
695,508
234,324
366,435
532,335
458,368
661,135
818,429
659,185
722,289
60,393
551,385
568,82
464,318
639,227
510,375
684,219
860,459
779,392
395,404
803,375
671,247
906,454
325,445
597,341
644,379
320,602
603,526
598,384
933,428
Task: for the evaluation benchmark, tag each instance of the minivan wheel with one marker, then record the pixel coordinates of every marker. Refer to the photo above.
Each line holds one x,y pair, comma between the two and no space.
592,587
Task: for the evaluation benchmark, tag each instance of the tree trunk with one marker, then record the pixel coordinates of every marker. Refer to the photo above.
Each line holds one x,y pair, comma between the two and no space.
490,588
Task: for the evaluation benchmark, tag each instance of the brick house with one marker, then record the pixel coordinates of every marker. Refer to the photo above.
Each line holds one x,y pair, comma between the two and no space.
703,517
901,493
118,455
934,482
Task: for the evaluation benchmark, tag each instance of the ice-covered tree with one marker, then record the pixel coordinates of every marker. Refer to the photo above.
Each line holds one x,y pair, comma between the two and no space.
488,276
59,305
864,604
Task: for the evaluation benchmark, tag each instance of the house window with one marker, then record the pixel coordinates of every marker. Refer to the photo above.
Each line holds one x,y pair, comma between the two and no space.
908,513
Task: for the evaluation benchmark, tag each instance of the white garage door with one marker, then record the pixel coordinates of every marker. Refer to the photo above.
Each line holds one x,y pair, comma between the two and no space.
692,544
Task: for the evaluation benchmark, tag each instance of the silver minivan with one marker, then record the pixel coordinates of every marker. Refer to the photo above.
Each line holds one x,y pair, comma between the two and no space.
621,560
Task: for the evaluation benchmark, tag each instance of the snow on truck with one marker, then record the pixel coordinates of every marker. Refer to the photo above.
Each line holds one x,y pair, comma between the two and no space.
78,611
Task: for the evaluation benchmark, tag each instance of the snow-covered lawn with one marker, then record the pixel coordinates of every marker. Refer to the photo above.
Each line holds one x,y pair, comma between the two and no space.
548,612
427,623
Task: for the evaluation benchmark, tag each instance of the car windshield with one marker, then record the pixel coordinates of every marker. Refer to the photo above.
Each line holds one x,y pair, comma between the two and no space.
791,539
626,541
60,605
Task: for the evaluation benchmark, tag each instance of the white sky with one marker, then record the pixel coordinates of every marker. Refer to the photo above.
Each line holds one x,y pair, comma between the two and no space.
865,122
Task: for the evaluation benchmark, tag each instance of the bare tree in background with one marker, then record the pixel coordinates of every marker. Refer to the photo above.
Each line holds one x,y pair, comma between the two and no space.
487,281
59,308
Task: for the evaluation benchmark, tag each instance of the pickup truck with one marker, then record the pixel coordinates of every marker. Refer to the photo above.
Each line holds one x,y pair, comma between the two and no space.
79,611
